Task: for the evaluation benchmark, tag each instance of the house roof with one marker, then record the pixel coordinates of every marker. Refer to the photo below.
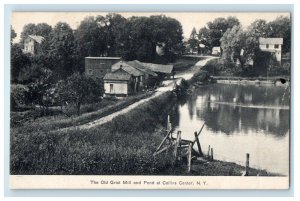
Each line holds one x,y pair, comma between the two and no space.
38,39
271,41
103,58
141,67
119,74
128,68
157,68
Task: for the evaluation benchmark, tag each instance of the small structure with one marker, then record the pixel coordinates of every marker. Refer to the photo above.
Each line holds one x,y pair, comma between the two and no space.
216,51
97,67
272,45
118,83
32,44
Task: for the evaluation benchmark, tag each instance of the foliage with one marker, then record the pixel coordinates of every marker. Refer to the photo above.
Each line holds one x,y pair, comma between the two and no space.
40,29
18,61
145,33
193,40
18,96
62,50
79,89
215,29
13,34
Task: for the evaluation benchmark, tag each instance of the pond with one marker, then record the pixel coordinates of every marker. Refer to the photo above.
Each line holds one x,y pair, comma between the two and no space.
239,119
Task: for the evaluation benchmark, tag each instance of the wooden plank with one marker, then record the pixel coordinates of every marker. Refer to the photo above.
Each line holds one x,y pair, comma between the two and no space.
189,158
200,130
198,144
163,149
247,164
176,146
165,138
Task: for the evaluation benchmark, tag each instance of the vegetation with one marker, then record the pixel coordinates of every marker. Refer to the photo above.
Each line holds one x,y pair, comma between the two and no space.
121,146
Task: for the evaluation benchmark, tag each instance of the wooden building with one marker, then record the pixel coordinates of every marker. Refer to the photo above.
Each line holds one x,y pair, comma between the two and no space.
97,67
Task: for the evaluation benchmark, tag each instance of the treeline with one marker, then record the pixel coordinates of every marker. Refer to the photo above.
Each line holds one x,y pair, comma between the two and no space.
63,50
242,44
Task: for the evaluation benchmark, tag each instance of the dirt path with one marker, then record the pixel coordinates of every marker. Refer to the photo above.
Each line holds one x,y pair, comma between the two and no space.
168,85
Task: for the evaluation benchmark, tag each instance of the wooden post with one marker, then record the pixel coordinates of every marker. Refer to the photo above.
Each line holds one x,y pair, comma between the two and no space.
168,124
212,154
176,146
208,151
189,158
198,144
247,164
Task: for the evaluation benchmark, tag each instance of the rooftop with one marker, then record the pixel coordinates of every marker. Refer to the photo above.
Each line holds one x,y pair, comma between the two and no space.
271,41
119,74
111,58
38,39
157,68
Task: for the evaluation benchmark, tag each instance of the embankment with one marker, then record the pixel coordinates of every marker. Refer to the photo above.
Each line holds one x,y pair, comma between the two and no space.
124,146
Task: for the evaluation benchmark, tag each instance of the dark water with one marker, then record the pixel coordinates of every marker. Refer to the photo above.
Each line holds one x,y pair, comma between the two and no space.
238,120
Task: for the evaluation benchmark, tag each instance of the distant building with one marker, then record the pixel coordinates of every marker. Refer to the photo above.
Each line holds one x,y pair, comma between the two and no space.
273,45
216,51
97,67
32,44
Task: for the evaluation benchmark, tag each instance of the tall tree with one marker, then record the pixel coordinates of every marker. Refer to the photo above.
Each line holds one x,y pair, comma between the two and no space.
62,50
216,28
193,40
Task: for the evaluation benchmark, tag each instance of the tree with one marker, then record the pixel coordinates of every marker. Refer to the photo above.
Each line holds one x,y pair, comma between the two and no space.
193,40
13,34
79,89
281,28
232,42
144,34
90,38
61,50
18,61
216,28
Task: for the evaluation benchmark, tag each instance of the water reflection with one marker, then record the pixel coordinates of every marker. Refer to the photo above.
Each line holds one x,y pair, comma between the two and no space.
239,118
236,108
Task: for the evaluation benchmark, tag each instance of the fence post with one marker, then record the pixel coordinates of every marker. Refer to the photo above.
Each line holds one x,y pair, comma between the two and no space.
198,144
212,154
189,158
208,151
247,164
178,139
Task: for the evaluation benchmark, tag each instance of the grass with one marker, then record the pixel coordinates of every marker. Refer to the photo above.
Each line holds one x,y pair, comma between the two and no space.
123,146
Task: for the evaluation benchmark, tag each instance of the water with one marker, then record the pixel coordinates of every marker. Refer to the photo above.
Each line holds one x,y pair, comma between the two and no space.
238,120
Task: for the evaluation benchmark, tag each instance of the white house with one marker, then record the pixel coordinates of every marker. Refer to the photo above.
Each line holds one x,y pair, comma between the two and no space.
118,83
32,44
273,45
216,51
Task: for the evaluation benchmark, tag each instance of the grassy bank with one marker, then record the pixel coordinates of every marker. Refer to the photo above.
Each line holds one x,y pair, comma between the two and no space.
123,146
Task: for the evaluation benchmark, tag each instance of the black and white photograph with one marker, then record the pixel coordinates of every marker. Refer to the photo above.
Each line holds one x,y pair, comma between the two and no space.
160,100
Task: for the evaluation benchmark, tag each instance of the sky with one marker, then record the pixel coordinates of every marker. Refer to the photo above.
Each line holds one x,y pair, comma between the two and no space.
188,20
